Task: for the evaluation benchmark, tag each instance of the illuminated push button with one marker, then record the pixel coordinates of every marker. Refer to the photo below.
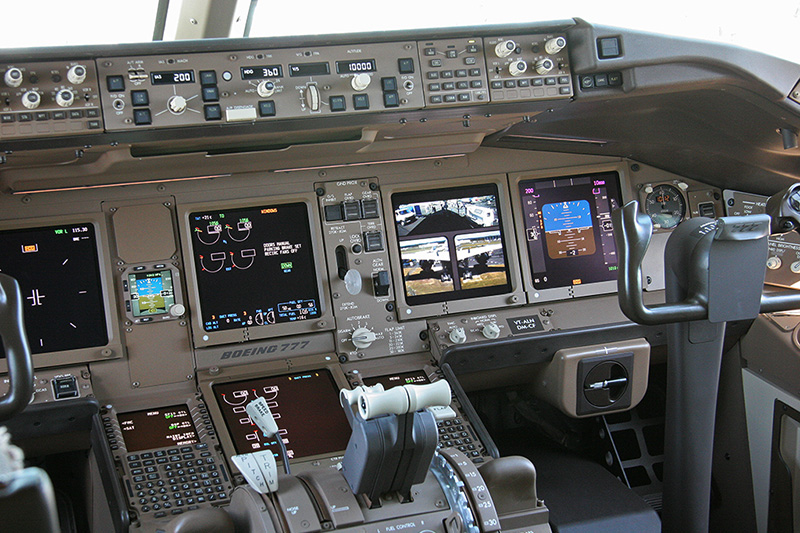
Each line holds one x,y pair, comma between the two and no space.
208,77
210,94
370,208
140,98
115,84
405,65
391,99
141,117
333,213
337,103
373,241
389,84
65,387
361,101
351,211
213,112
266,108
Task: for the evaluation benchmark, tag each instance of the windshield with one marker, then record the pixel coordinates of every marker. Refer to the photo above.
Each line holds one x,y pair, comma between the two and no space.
770,28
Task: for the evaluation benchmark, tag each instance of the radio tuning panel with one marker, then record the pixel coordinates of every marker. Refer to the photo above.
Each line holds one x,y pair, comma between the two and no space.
49,98
357,256
229,87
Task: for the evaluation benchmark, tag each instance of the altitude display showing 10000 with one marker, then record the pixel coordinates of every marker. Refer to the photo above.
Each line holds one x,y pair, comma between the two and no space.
254,266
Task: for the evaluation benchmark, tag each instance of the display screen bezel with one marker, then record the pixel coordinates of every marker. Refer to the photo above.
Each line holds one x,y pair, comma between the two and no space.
200,336
112,349
410,309
535,294
207,381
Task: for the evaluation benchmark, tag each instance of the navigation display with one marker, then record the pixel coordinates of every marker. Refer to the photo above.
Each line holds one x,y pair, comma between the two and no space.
451,243
254,266
568,228
156,428
305,406
152,293
59,277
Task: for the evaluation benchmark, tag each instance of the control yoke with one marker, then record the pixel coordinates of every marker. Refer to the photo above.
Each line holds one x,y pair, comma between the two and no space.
633,231
714,272
18,355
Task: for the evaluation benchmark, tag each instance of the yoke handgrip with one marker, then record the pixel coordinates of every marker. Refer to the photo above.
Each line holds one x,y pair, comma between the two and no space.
632,234
18,355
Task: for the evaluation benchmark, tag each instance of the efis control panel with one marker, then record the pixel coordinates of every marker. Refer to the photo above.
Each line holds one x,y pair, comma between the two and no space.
49,98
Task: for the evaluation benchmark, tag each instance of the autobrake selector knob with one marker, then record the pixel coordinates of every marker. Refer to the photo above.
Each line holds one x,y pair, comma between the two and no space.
265,89
65,98
458,336
363,338
312,97
543,66
31,99
76,74
13,77
360,82
555,45
176,104
517,68
504,48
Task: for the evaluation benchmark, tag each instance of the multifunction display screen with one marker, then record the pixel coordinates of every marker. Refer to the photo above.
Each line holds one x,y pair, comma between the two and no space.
254,266
305,406
157,428
414,377
567,224
152,293
59,277
451,243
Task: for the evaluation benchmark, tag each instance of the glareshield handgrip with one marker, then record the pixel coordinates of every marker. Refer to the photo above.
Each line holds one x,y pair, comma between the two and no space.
632,233
17,352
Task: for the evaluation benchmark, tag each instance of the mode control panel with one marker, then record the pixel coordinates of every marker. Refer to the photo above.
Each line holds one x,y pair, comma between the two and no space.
49,98
249,86
358,266
526,67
